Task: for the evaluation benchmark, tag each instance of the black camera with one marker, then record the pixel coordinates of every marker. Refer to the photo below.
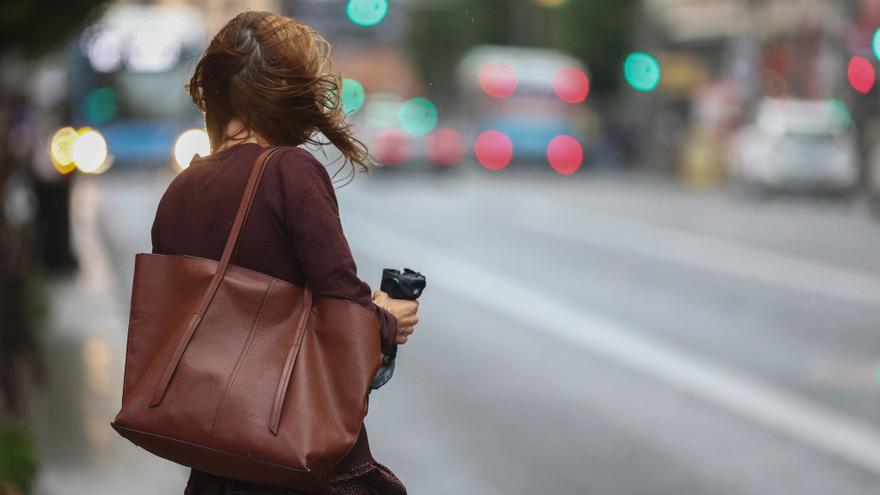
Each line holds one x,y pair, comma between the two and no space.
408,285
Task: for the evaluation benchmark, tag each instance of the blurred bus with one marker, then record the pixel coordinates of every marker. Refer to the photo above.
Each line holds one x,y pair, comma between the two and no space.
530,95
127,80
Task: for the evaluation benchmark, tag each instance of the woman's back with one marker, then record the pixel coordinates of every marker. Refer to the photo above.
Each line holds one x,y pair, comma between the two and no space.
293,232
196,212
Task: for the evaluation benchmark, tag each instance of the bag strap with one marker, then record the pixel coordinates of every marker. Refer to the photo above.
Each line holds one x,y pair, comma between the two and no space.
228,252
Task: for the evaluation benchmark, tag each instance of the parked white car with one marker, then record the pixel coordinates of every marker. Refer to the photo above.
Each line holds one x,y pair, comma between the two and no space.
797,145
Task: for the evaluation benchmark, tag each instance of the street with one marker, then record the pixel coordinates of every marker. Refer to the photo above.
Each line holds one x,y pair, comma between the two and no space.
592,334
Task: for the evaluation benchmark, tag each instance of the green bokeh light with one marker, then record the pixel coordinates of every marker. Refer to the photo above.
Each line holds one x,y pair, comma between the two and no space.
101,106
839,113
417,116
642,71
366,12
352,96
875,43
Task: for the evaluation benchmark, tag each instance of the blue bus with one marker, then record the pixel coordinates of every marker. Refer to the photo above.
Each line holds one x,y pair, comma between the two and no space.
126,83
531,98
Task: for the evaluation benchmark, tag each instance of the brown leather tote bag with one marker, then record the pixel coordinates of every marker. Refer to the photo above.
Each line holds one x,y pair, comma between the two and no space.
240,374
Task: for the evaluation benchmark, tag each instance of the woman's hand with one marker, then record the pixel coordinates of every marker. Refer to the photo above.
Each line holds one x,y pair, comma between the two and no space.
402,309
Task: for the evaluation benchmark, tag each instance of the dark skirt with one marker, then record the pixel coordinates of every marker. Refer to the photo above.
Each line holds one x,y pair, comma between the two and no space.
372,478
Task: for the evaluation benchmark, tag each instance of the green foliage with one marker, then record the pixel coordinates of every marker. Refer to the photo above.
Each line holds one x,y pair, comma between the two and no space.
596,31
39,26
18,457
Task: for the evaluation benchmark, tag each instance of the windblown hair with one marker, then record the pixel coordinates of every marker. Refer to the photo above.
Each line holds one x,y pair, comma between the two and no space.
272,73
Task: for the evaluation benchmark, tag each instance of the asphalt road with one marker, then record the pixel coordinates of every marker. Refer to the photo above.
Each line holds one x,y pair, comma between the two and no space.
606,334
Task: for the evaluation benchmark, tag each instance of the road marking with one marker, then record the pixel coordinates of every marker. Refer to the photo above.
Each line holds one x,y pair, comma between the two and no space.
801,418
709,253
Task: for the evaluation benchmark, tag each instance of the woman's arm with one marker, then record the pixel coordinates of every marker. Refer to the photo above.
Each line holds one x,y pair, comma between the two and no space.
311,216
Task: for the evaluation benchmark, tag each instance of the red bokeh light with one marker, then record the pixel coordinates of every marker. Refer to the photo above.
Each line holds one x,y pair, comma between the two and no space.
571,85
861,74
565,154
392,147
493,149
445,146
497,80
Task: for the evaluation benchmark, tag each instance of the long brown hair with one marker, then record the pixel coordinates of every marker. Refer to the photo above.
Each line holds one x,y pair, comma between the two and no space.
272,73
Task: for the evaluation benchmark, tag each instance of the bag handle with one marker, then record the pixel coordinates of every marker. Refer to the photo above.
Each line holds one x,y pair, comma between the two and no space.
228,252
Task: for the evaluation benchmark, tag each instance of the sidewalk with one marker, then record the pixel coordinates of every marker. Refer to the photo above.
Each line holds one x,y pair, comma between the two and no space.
84,346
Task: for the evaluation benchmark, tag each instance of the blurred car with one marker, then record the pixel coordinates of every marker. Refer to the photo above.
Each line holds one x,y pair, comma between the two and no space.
797,145
384,99
398,143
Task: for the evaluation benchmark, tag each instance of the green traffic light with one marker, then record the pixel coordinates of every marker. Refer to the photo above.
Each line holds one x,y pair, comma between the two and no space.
642,71
417,116
875,43
353,96
366,12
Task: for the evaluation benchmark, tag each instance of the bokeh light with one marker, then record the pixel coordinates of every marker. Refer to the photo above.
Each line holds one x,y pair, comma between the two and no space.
642,71
498,80
101,105
353,96
190,143
105,49
445,146
860,74
565,154
493,149
152,50
571,85
89,150
550,4
366,12
392,147
417,116
61,149
840,113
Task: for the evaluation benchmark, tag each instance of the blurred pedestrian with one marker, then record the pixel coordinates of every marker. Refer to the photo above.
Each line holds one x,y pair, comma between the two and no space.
263,82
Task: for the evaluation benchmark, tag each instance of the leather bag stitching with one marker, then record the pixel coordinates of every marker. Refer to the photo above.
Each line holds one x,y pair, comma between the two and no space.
238,363
290,362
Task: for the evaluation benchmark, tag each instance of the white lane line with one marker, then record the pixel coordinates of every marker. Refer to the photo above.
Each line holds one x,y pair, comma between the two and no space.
802,418
706,252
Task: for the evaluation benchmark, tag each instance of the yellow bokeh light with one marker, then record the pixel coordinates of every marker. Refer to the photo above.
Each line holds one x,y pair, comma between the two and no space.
89,151
190,143
550,4
61,149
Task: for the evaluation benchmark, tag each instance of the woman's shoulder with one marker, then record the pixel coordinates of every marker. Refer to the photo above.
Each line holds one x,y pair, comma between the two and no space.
299,168
293,159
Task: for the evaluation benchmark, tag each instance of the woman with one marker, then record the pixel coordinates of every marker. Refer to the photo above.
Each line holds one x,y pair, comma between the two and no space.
263,82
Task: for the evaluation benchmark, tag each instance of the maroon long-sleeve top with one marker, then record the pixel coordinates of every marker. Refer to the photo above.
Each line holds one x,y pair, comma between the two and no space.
293,230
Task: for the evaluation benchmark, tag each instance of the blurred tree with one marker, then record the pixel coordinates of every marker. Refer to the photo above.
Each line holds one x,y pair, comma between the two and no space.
599,32
37,27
